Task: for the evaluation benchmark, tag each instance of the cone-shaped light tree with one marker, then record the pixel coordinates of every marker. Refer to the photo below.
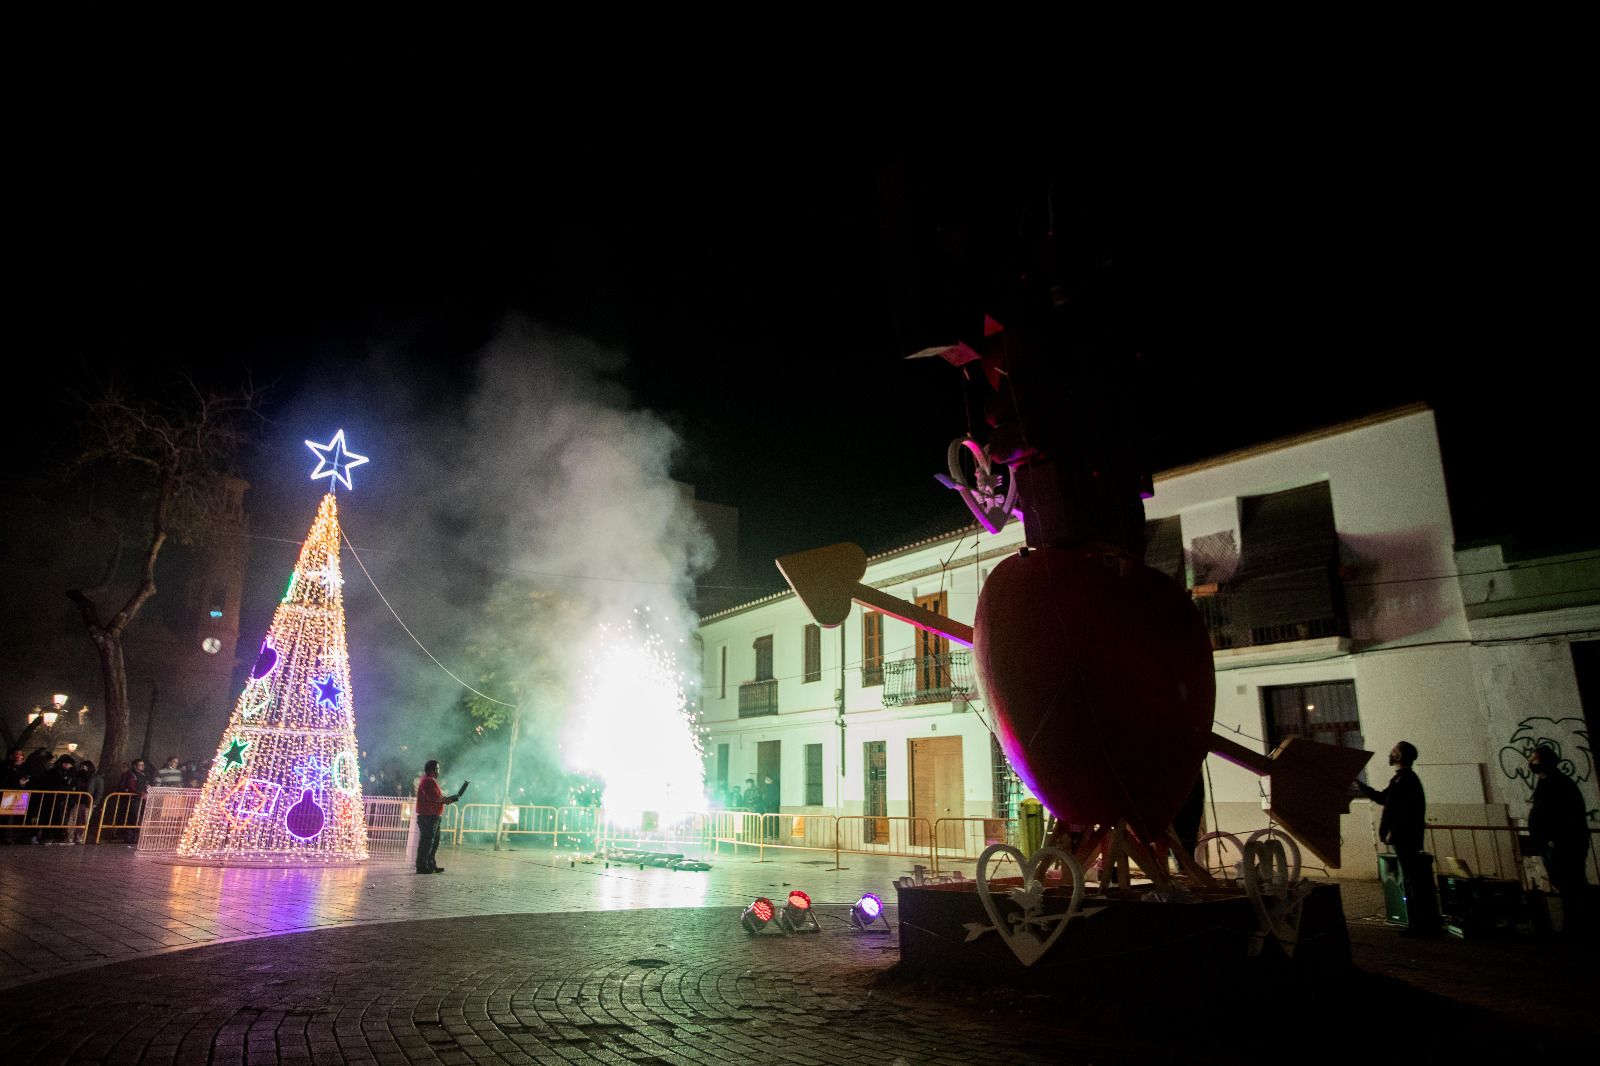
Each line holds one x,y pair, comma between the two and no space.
286,783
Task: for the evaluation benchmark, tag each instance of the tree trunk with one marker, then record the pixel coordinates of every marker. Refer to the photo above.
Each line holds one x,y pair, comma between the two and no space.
108,637
114,674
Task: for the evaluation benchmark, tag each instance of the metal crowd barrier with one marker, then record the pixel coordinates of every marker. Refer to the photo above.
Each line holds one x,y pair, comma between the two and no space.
1490,851
865,834
685,832
964,839
1495,850
510,819
166,812
390,828
119,811
798,832
50,816
157,821
736,829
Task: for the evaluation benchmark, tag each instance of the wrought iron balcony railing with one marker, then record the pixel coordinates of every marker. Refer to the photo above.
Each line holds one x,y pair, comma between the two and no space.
1275,609
927,679
757,698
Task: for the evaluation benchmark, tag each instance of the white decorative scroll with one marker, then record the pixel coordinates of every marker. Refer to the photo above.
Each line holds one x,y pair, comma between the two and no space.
1276,895
990,503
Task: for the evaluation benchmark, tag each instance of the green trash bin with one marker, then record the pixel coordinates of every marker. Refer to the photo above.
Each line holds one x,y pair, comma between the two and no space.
1394,886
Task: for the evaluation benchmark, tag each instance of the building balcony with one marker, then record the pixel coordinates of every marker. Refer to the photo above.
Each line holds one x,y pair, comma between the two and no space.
927,679
757,698
1274,609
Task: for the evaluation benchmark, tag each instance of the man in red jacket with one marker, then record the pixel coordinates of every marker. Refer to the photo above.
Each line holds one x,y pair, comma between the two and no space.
431,801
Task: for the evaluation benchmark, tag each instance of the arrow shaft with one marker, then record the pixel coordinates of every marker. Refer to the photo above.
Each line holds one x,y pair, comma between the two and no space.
920,617
1240,755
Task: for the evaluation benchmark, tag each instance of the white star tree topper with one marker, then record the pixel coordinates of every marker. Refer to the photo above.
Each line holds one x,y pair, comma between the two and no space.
334,460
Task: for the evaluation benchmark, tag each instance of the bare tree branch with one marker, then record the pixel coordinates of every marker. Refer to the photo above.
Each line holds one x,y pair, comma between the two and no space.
187,439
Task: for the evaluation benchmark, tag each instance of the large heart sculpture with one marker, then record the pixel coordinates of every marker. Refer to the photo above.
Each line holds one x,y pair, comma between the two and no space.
1029,941
1099,673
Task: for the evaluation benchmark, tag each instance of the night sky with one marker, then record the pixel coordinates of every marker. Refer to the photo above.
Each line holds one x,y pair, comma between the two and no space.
750,292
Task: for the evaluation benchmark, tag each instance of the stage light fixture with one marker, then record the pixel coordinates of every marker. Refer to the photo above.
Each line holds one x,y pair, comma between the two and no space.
797,916
757,915
867,910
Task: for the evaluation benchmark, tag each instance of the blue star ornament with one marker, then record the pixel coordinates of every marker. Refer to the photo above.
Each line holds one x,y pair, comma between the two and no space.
334,460
328,691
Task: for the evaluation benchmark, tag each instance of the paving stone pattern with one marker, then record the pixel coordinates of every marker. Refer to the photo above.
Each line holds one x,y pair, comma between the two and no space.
520,957
65,908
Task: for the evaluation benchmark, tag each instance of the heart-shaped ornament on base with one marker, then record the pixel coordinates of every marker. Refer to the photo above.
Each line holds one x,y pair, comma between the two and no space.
1029,941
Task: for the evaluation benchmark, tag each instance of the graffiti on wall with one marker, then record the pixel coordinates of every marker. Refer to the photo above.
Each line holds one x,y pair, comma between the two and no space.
1567,736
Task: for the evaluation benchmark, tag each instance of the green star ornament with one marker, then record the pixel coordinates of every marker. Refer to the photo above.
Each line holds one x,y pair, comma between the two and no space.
234,756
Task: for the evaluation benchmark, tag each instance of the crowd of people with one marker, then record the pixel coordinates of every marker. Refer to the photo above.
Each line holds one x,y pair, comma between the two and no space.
757,799
52,799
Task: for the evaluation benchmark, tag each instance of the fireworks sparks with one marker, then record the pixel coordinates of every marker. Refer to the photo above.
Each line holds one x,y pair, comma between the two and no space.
633,727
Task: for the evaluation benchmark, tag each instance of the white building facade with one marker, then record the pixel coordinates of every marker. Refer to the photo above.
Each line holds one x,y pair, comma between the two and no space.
1326,570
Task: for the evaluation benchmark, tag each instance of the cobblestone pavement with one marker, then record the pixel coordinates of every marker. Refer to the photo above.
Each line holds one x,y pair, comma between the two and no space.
65,908
520,958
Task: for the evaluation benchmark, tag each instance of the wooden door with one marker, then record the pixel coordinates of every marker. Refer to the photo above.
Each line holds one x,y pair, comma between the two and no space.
875,761
933,651
938,787
769,763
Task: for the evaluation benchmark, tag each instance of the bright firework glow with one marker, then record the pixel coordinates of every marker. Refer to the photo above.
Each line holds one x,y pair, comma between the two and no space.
632,726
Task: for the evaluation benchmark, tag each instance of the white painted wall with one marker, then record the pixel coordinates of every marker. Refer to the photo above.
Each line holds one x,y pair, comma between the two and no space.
1530,694
1417,675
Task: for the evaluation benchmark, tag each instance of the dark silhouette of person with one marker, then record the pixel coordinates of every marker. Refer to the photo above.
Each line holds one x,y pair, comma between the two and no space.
1405,809
431,802
1559,825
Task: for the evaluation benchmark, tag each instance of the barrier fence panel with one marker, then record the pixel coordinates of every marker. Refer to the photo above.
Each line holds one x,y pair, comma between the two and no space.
799,832
45,816
1489,851
964,839
390,828
155,822
119,816
511,819
687,833
876,835
166,812
736,829
577,827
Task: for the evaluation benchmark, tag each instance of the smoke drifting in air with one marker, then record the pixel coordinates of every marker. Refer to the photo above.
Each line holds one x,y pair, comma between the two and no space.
531,535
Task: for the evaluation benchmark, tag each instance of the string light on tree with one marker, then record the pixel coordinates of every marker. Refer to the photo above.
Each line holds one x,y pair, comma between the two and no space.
286,786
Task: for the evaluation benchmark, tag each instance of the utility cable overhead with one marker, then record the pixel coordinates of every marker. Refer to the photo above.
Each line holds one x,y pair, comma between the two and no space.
412,635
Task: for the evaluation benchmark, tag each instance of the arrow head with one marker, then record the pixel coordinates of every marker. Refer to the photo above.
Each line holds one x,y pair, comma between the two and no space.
825,579
1311,789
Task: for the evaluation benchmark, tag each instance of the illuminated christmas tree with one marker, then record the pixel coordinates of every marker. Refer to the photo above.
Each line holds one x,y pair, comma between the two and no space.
286,783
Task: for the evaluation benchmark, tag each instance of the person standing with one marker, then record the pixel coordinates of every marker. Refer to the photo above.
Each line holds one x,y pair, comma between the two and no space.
89,781
169,776
59,813
137,782
1559,825
1405,809
431,802
13,780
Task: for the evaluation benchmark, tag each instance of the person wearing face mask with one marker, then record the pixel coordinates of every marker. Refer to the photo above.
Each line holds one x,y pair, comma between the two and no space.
1558,824
1404,813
